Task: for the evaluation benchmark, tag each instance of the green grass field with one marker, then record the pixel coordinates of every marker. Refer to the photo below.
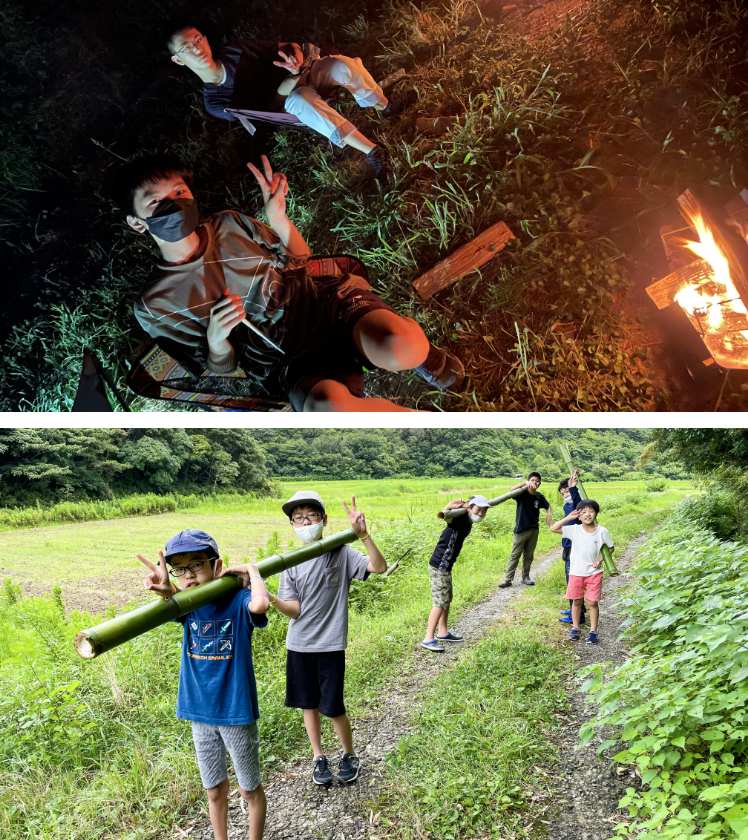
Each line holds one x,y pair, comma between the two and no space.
94,563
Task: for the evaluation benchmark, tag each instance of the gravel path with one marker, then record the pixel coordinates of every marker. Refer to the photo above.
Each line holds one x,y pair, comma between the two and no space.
588,789
299,809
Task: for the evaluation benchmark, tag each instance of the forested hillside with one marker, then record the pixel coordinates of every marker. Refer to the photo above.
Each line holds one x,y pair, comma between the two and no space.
53,465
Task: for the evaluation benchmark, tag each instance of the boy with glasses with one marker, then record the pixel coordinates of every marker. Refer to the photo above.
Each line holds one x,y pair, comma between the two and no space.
283,77
217,689
314,595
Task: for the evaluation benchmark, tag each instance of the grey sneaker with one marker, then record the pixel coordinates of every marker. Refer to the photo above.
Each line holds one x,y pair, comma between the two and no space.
433,645
528,581
348,768
504,584
442,370
321,773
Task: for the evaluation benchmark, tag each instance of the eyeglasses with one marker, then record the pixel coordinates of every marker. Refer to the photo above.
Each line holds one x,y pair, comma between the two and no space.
193,567
312,519
192,45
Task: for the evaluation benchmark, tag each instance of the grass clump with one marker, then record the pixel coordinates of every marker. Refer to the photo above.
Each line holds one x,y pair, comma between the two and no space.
680,703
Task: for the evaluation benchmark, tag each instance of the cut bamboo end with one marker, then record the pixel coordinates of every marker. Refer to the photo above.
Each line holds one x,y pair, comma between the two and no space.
85,646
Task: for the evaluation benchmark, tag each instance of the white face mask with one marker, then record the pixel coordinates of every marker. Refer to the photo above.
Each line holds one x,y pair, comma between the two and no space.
476,518
309,533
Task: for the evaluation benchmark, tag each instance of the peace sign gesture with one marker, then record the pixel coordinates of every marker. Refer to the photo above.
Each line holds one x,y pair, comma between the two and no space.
274,188
356,517
158,579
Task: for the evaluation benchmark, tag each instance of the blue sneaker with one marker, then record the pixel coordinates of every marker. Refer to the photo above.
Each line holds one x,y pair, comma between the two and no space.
592,638
450,637
433,645
566,612
574,634
566,619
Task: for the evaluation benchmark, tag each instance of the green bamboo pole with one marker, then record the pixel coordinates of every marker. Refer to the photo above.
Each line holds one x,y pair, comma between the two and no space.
608,564
455,512
97,640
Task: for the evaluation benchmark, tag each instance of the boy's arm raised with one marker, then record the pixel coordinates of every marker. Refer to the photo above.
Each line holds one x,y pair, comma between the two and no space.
248,572
158,579
557,526
377,562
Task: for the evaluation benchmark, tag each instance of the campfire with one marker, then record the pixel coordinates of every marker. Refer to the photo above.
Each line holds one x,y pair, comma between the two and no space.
710,277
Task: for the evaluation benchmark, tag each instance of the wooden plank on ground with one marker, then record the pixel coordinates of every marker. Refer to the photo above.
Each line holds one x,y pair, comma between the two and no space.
473,255
663,291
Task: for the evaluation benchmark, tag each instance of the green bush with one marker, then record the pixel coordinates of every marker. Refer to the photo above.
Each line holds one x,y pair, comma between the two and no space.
715,512
681,701
655,485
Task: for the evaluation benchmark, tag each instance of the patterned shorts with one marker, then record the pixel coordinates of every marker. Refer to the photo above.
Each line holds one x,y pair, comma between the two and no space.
243,745
441,587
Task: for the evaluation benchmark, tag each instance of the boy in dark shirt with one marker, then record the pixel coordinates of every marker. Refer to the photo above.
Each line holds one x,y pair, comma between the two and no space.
526,529
445,554
285,77
567,487
217,690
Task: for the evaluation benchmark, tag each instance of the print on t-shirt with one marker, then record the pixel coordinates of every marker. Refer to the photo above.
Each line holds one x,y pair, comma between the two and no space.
211,638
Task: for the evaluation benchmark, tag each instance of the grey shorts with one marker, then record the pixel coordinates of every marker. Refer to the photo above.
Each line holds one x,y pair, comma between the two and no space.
441,587
243,745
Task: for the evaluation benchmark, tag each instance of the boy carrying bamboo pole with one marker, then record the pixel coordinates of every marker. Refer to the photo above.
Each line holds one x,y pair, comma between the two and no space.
217,690
314,596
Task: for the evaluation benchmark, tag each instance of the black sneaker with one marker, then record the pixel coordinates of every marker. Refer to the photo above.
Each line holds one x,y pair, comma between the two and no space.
321,774
442,370
379,163
528,581
348,767
504,584
398,102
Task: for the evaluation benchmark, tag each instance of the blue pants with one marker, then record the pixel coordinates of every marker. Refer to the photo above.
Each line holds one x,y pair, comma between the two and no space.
567,563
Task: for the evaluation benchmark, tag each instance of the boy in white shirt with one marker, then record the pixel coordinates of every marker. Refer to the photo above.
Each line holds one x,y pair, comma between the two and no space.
585,569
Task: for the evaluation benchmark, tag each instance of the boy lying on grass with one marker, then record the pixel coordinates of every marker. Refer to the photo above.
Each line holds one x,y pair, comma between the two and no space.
314,595
217,690
567,487
585,571
310,337
445,555
284,77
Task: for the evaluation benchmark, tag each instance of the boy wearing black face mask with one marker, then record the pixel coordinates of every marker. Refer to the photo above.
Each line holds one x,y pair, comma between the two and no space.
235,292
314,595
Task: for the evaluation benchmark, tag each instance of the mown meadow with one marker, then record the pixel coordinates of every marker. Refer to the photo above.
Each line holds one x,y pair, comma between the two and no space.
93,748
577,125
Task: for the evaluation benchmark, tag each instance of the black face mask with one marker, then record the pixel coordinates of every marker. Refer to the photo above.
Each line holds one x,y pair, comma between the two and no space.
173,219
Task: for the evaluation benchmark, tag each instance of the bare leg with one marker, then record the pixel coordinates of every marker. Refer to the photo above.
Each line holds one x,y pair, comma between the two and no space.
434,617
443,628
313,727
342,725
576,611
256,810
594,608
359,142
218,808
390,341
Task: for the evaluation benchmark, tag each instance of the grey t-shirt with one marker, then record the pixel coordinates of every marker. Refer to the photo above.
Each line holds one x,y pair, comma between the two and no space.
321,588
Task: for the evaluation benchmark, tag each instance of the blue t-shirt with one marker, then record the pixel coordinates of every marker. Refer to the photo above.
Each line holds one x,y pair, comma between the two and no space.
569,506
217,680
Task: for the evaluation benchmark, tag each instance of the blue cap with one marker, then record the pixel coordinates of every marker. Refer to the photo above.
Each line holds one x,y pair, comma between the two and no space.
191,540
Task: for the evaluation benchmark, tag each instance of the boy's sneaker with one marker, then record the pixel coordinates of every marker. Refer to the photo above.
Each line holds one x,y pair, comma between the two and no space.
565,612
432,644
379,163
321,773
442,370
450,637
565,619
592,638
574,634
348,767
528,581
504,584
398,102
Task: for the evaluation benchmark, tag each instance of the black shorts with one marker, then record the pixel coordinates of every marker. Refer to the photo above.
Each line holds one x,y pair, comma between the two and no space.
315,681
339,358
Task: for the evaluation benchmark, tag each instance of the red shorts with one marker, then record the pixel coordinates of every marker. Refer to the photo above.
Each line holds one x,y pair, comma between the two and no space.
593,584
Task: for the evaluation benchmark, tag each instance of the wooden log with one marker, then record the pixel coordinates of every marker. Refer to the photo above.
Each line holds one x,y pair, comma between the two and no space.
473,255
729,241
663,291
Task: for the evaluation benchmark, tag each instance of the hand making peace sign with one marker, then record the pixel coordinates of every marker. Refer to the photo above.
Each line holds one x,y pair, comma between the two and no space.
356,517
274,188
158,579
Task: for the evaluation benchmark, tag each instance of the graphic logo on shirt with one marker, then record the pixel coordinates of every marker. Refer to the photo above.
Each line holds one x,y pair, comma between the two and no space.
207,646
194,625
537,503
225,645
211,639
226,628
207,628
335,580
193,644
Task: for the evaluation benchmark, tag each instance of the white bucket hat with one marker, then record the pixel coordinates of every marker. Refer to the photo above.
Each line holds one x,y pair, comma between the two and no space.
303,497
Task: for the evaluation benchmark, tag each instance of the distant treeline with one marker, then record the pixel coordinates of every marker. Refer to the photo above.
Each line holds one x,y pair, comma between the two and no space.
53,466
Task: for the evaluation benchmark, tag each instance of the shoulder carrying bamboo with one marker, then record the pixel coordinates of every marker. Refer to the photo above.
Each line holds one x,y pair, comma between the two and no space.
608,563
512,494
97,640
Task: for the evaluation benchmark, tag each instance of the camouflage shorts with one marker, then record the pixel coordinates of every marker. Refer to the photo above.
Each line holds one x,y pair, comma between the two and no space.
441,587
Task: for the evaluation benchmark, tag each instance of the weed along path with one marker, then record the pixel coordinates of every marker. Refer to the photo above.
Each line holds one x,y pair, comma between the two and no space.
297,808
